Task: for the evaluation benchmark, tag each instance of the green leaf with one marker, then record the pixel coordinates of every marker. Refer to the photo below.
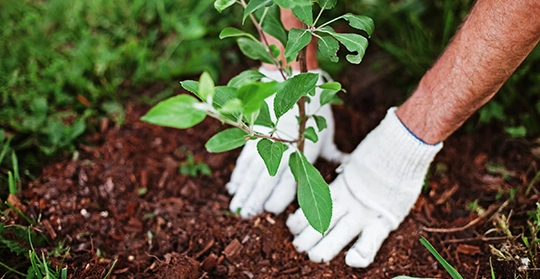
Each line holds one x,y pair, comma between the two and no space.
332,85
516,132
234,32
313,192
223,95
289,4
328,47
275,50
330,97
227,140
449,268
311,135
320,122
206,87
176,112
271,153
253,94
264,118
294,88
191,86
353,43
254,50
245,77
304,14
360,22
298,39
232,106
327,4
253,6
272,25
221,5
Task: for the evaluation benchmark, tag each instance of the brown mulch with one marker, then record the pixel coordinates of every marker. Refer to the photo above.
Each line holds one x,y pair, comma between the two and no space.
123,199
122,204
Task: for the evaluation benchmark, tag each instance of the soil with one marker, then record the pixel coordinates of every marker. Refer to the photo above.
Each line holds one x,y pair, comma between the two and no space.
122,205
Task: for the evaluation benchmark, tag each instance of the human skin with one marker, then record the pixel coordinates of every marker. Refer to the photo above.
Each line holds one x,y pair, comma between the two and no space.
289,21
492,42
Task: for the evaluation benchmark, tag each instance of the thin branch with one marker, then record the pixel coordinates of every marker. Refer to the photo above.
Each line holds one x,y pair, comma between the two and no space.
265,41
490,211
302,59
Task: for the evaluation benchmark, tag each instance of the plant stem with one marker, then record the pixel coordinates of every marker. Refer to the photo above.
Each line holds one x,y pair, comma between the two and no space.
11,269
265,41
302,102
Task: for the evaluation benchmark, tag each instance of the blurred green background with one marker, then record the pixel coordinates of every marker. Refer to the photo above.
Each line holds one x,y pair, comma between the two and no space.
64,65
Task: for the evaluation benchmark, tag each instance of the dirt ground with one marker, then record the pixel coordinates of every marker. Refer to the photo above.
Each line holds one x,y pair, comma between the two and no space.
124,199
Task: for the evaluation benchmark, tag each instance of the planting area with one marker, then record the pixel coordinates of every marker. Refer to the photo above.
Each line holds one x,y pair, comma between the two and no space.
123,207
87,190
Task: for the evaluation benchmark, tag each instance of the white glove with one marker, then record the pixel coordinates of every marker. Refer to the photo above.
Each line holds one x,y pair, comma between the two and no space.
376,190
253,188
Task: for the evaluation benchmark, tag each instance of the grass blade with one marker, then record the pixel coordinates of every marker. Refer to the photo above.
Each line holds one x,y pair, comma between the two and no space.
449,268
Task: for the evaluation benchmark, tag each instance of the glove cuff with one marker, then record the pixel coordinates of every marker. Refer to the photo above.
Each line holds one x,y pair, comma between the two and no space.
391,162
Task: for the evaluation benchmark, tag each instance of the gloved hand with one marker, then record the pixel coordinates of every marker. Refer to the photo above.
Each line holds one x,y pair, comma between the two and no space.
253,188
376,190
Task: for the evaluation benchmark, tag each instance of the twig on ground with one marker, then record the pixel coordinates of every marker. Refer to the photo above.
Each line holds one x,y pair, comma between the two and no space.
489,211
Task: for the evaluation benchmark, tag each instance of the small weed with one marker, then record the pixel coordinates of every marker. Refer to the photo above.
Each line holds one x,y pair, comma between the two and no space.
192,168
499,169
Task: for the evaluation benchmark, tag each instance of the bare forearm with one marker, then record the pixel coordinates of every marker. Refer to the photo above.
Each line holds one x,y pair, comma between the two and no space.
493,41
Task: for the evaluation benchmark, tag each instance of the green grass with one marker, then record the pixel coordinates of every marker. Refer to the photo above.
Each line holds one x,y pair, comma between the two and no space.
64,64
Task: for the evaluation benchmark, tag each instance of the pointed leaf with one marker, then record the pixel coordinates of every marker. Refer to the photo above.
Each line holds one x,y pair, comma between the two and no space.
271,153
245,77
227,140
253,6
332,85
273,26
264,118
327,4
253,94
289,4
298,39
223,95
191,86
360,22
235,32
320,122
232,106
221,5
353,43
310,134
176,112
254,50
328,47
206,87
293,88
313,192
330,97
304,14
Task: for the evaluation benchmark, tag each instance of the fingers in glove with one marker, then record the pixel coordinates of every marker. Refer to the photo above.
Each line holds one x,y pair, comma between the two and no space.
247,185
364,250
347,228
243,164
262,189
309,237
297,222
282,194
